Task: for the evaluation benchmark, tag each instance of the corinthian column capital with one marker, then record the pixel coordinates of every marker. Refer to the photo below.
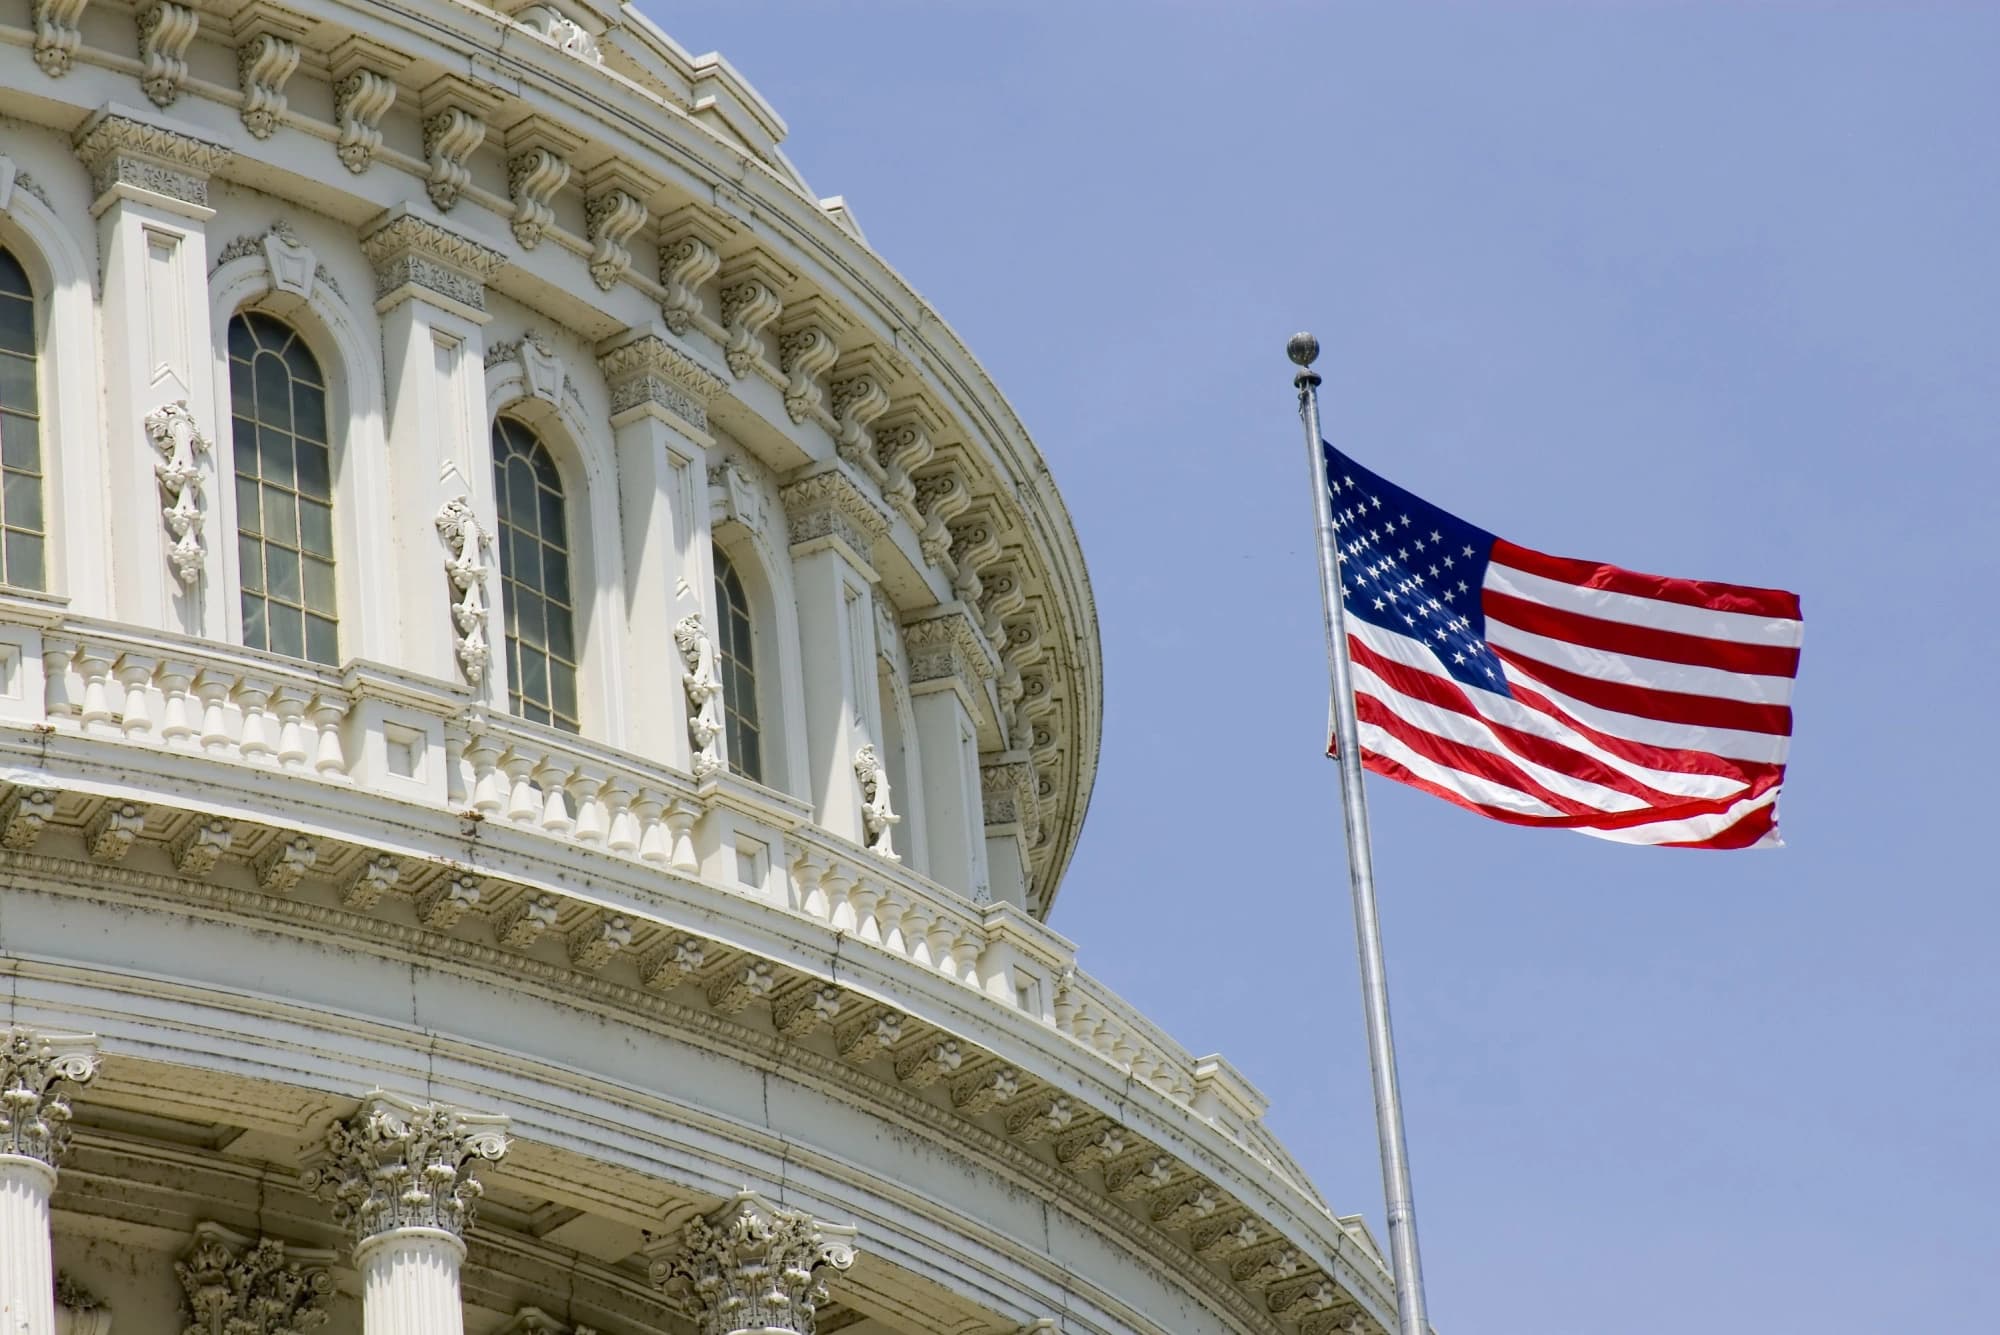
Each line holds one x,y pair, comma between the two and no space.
753,1269
38,1072
396,1164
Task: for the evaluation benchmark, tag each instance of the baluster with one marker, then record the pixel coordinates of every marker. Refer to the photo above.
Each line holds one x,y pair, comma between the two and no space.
57,701
552,777
840,913
965,948
681,818
96,669
916,931
252,695
174,679
290,704
212,689
895,902
592,824
656,844
866,925
329,713
623,834
135,674
523,802
806,873
942,933
489,783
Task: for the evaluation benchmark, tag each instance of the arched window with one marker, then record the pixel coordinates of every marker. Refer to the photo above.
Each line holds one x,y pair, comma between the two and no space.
534,574
22,531
284,490
736,661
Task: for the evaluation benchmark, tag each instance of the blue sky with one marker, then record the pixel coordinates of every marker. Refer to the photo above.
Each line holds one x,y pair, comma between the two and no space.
1710,290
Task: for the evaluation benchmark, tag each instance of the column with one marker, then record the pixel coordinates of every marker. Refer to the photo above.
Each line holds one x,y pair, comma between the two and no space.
159,376
751,1268
833,528
659,423
40,1072
950,665
401,1174
1010,810
432,286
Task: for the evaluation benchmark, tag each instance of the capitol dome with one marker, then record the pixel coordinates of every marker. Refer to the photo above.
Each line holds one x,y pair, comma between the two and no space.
545,700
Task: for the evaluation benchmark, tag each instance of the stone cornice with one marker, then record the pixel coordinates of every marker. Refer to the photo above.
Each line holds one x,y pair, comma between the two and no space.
133,158
409,252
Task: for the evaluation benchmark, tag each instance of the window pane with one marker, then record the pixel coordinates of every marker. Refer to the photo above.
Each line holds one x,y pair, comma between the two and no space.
274,391
241,345
534,677
553,529
254,633
315,474
288,632
562,643
749,759
316,528
274,455
309,411
281,567
281,516
250,563
17,382
17,326
22,501
319,586
24,560
20,442
304,367
562,681
555,574
248,511
322,643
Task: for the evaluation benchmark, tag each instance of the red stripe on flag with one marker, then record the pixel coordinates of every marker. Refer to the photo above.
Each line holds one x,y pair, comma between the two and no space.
1716,597
1621,637
1465,759
1755,825
1701,711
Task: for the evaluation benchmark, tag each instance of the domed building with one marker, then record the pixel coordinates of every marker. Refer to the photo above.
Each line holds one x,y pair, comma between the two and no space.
545,700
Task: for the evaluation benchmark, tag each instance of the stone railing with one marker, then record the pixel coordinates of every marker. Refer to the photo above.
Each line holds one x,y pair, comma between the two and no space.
373,729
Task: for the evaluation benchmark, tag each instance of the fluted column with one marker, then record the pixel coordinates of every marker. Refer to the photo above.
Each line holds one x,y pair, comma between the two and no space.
754,1269
39,1071
401,1174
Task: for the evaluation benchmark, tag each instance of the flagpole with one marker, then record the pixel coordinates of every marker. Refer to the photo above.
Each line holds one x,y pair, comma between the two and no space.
1400,1205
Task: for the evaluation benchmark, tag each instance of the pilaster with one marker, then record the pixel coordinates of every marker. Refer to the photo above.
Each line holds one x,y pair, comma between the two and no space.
430,285
949,666
1010,813
151,207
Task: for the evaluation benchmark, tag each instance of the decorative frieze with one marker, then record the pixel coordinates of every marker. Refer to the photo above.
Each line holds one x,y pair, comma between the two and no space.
466,543
827,505
672,963
361,99
1139,1176
58,33
235,1286
38,1074
751,1267
127,156
535,176
1046,1116
1089,1146
1187,1207
688,259
947,647
752,295
399,1164
612,214
704,693
165,30
1009,793
869,1036
179,442
928,1062
647,369
263,65
411,252
878,817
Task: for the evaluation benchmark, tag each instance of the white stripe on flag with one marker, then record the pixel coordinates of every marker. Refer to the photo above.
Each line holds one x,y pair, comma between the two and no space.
1631,670
1739,627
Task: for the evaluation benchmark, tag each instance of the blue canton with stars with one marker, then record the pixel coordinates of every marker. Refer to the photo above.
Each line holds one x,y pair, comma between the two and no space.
1413,568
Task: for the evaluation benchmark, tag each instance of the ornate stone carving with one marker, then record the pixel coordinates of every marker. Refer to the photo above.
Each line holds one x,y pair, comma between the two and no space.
451,135
1089,1146
410,251
903,445
1186,1207
360,101
1009,792
649,370
24,812
165,30
704,692
38,1073
672,963
534,178
179,442
975,544
687,260
751,299
828,505
12,178
200,846
238,1287
878,818
440,907
611,216
928,1062
1045,1116
263,64
808,344
593,946
523,924
753,1267
947,647
377,877
285,863
400,1164
734,495
541,365
740,984
860,395
291,263
112,832
941,497
869,1036
982,1090
466,543
57,34
560,31
78,1310
123,153
806,1009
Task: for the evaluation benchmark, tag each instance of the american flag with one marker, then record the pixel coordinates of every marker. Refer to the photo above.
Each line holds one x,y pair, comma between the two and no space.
1541,690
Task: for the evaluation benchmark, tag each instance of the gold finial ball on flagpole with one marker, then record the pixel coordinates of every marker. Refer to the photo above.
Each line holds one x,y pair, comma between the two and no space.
1303,349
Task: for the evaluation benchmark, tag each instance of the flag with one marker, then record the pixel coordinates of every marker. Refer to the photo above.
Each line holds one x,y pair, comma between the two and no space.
1540,690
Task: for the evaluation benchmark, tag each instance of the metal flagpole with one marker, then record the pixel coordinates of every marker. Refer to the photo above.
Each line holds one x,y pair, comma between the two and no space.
1303,349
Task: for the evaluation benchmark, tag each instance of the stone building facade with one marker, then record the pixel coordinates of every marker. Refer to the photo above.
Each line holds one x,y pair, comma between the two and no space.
544,700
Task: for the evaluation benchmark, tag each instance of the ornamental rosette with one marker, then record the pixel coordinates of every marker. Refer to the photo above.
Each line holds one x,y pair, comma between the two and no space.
396,1164
750,1267
40,1072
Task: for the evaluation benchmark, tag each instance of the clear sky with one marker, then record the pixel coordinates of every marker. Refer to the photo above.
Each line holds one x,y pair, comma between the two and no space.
1708,290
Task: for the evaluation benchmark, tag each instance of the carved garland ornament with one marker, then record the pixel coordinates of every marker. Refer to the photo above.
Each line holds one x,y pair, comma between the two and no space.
704,692
750,1267
397,1164
466,543
39,1071
178,441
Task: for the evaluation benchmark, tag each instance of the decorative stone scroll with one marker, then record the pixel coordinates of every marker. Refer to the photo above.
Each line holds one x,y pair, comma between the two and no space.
466,543
534,177
235,1286
878,819
611,216
360,101
861,383
451,135
751,1267
704,692
689,257
808,344
398,1164
263,65
752,296
179,443
38,1073
57,34
165,31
